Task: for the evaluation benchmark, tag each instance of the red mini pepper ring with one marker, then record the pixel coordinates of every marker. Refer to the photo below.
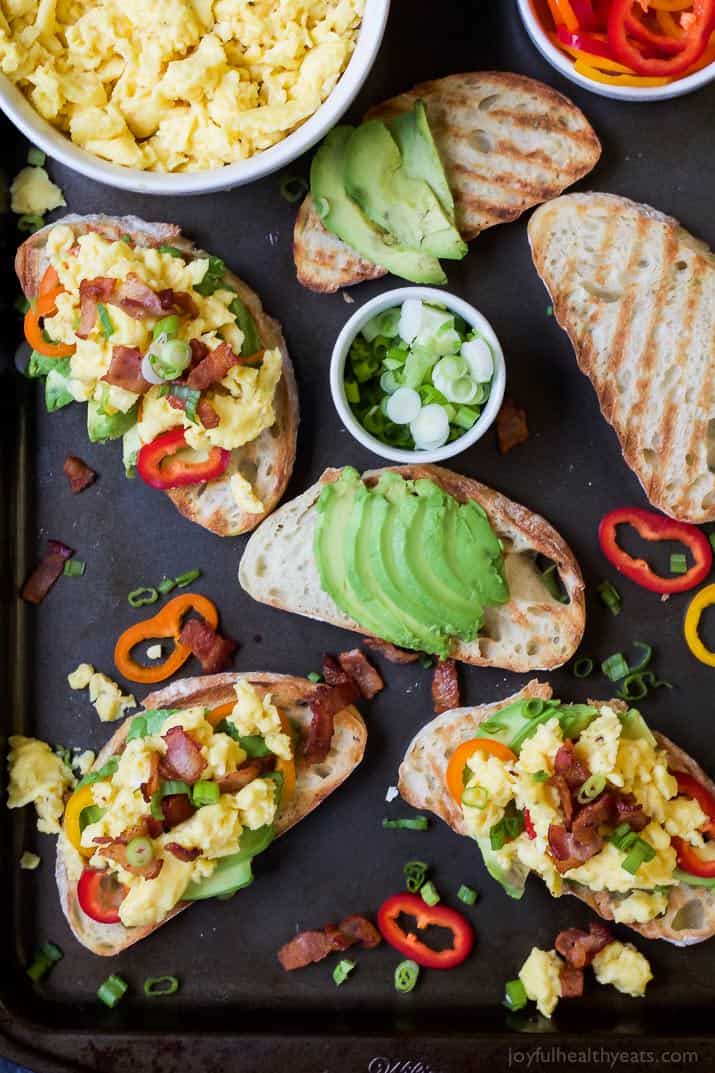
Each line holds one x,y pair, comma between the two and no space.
410,944
158,465
689,860
691,46
690,786
100,894
655,527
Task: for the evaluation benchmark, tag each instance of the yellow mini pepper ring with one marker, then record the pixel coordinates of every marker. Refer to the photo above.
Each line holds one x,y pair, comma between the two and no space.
700,602
80,800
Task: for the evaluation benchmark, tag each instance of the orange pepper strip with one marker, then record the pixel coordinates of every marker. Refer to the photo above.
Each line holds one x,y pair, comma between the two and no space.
46,306
670,5
455,768
641,82
668,24
567,16
166,624
217,715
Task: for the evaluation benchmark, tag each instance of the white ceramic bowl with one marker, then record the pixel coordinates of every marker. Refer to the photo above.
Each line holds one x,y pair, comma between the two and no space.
379,305
59,147
563,64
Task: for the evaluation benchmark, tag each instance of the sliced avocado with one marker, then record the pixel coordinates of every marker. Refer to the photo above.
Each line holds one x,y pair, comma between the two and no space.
420,155
131,445
344,218
406,208
691,880
633,725
57,391
513,879
102,427
232,873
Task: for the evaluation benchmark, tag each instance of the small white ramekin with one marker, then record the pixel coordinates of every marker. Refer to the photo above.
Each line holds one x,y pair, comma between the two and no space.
58,146
564,65
342,347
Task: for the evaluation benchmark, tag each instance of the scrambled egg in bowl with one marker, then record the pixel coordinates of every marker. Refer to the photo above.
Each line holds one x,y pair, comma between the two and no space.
180,85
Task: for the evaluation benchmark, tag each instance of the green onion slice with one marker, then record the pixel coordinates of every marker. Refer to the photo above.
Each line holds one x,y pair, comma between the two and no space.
293,188
466,894
407,974
112,991
186,578
158,986
315,677
591,788
429,893
36,158
141,597
204,792
105,321
583,667
615,667
419,823
475,797
140,852
74,567
645,659
342,970
678,563
515,997
46,956
166,585
610,597
415,873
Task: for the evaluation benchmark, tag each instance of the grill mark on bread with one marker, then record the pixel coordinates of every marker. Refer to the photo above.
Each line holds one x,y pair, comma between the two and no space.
623,333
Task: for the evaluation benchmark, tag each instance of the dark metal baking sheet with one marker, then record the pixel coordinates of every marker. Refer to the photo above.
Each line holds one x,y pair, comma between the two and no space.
339,860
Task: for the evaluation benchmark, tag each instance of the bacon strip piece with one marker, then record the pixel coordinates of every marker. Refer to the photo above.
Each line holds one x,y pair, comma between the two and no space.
326,703
206,414
589,817
181,853
568,765
571,981
236,780
356,664
150,787
46,572
213,651
512,429
629,811
333,673
445,686
183,759
392,652
135,298
178,302
212,368
578,947
570,850
177,808
361,930
199,351
125,370
78,473
91,293
311,946
565,800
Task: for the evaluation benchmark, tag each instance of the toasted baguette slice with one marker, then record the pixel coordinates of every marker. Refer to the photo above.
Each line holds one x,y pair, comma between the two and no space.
267,462
533,631
690,916
507,143
313,782
636,294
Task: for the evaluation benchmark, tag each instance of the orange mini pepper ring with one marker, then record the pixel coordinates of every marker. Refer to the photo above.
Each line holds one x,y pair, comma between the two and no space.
46,306
458,759
167,623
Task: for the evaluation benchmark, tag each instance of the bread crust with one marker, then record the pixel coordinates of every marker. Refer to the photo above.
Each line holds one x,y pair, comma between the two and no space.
268,460
289,693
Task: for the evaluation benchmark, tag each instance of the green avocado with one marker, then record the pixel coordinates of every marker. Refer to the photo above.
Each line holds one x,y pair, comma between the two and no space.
344,218
513,879
382,559
102,427
420,156
232,873
406,208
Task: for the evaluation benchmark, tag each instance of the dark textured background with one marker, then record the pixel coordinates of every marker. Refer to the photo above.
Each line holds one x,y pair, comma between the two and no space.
340,860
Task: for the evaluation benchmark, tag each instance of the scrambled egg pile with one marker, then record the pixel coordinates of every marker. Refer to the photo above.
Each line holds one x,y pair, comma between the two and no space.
33,193
106,696
243,399
618,964
180,85
38,776
631,765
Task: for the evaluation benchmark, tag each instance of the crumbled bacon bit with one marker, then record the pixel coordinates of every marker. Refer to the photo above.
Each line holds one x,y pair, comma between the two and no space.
125,370
206,414
333,673
356,664
178,302
445,686
569,850
150,787
181,853
512,429
309,947
177,808
578,947
568,765
78,473
571,981
392,652
46,572
213,651
91,293
325,704
212,368
236,780
183,759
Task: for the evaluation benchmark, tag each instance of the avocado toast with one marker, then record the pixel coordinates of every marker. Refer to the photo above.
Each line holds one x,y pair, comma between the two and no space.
484,147
584,795
125,275
489,607
305,780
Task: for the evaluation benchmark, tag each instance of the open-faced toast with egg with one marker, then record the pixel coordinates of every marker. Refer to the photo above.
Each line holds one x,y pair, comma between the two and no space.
425,559
431,169
186,793
584,795
171,352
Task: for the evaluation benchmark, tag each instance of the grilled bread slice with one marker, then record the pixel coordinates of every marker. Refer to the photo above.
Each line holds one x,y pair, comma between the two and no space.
532,631
267,462
313,784
690,916
507,143
636,294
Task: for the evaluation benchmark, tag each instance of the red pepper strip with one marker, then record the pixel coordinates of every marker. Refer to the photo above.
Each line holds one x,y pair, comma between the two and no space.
586,14
584,43
409,944
656,527
695,40
690,860
157,466
652,39
692,788
529,825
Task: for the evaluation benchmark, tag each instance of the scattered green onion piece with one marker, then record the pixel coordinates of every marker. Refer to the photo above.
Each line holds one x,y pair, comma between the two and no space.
610,597
615,667
475,797
112,991
74,567
204,792
159,986
140,597
171,787
315,677
342,970
592,787
407,974
541,776
155,806
415,873
419,823
185,579
515,997
166,585
46,956
466,894
583,667
429,893
497,836
140,852
191,397
634,687
36,158
171,250
293,189
619,832
640,853
678,563
645,659
352,392
167,327
30,223
21,304
549,311
105,320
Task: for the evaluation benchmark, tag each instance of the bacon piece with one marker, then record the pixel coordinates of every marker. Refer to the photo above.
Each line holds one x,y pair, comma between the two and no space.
135,298
181,853
91,293
361,930
392,652
326,703
78,473
116,850
571,981
570,850
445,686
177,808
236,780
46,572
512,429
154,828
212,368
213,651
199,351
567,764
629,811
125,370
178,302
337,938
311,946
333,673
590,816
578,947
183,759
356,664
206,414
562,788
150,787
